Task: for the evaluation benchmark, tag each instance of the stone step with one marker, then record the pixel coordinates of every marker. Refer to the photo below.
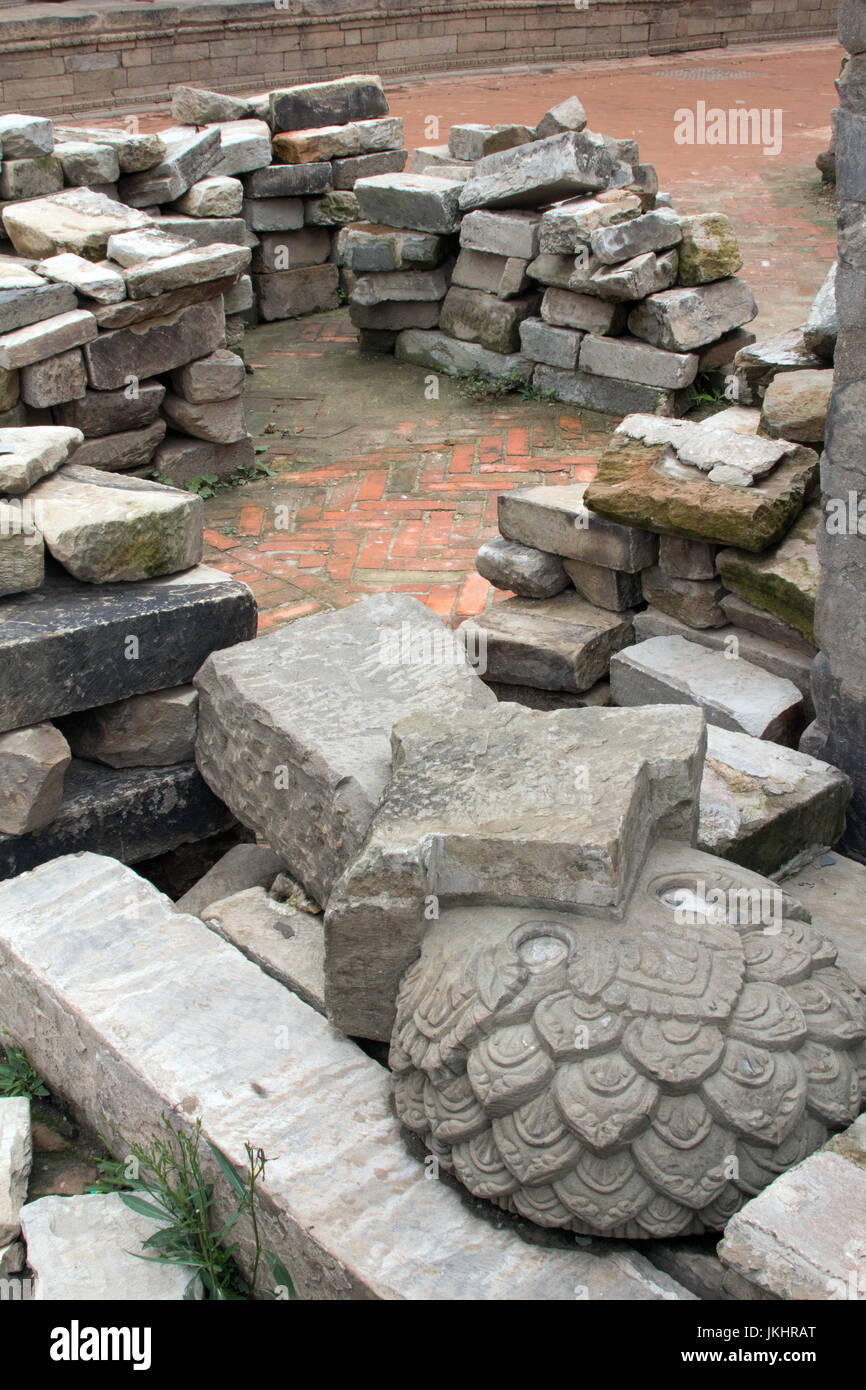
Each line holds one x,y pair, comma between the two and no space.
131,813
71,646
733,693
130,1009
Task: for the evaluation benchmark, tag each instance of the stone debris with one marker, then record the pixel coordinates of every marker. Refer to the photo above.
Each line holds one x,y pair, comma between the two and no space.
542,172
34,763
428,348
511,233
617,590
134,152
417,201
189,156
153,730
708,250
83,1248
124,450
25,137
54,381
697,602
757,364
355,98
16,1155
683,319
214,196
524,571
26,298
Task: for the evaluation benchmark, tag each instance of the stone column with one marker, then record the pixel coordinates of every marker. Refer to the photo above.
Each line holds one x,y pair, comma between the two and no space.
839,673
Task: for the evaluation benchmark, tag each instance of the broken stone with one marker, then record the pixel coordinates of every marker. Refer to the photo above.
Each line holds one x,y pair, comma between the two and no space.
288,181
25,297
155,346
653,231
380,135
117,453
146,244
554,270
742,419
499,275
214,196
473,142
48,338
429,159
683,319
541,172
821,328
30,178
240,868
555,519
211,378
22,557
197,106
696,602
355,672
34,763
524,571
796,404
756,365
100,282
708,250
414,286
418,201
31,453
179,460
153,730
99,413
289,293
553,839
16,1156
103,527
557,347
56,379
764,806
455,358
365,247
25,137
188,157
765,624
567,310
783,580
191,267
134,152
606,394
482,318
566,115
245,146
355,98
682,559
626,357
220,421
78,220
289,946
346,172
316,146
643,275
616,590
561,643
734,694
568,227
511,233
85,163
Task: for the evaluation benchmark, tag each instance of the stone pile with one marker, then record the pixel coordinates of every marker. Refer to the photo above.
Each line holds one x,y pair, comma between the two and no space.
572,271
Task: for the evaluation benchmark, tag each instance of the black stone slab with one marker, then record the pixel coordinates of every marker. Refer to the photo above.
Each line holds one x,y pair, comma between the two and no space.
71,646
130,814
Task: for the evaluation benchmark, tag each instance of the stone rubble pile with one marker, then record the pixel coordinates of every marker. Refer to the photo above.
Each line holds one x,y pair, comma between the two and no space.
571,270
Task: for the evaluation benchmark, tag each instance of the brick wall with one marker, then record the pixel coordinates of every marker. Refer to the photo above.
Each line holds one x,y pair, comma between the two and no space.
115,59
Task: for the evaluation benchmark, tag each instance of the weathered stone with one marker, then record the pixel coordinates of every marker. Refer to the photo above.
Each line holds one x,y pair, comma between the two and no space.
550,839
616,590
800,1237
16,1156
190,267
504,276
30,178
419,201
765,624
208,231
238,299
721,353
31,453
25,137
241,868
134,152
566,115
755,366
426,348
511,233
34,763
103,527
539,173
54,380
316,146
483,318
526,572
568,227
48,338
557,347
213,378
821,328
369,665
380,135
361,1192
219,421
145,244
274,214
647,486
245,146
100,282
686,559
287,945
85,162
214,196
189,155
473,142
288,181
783,580
555,519
733,694
289,293
153,730
157,345
25,297
77,220
430,159
197,106
333,209
278,251
87,1247
764,806
742,419
696,602
125,450
179,460
561,643
22,554
683,319
557,271
414,286
606,394
709,249
394,317
629,280
100,413
366,247
653,231
626,357
796,404
564,309
355,98
347,171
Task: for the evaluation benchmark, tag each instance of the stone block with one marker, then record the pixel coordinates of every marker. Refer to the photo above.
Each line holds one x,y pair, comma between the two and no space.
366,247
394,317
48,338
100,282
274,214
539,173
25,137
418,201
134,152
195,266
796,404
155,346
288,181
381,134
782,580
178,459
78,220
279,251
500,275
33,762
346,172
442,353
695,602
197,106
616,590
605,394
213,378
287,294
556,347
332,209
25,297
511,233
756,365
564,309
152,730
245,146
31,453
765,624
189,155
568,227
30,178
399,286
118,453
473,142
240,868
643,275
555,519
482,318
100,413
682,559
22,554
524,571
208,231
354,98
316,146
566,115
286,944
821,328
144,244
708,250
217,195
219,421
683,319
54,380
85,163
635,361
653,231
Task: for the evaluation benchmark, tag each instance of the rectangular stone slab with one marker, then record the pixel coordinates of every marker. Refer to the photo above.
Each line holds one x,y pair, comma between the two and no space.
555,519
538,173
733,693
605,394
130,813
158,345
294,733
359,97
71,646
103,984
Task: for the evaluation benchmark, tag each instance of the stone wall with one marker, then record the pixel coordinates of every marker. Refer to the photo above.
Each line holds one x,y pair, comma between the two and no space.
120,58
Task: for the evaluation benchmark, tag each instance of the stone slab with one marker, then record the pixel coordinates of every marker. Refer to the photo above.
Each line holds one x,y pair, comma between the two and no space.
636,361
127,449
681,320
556,347
241,867
765,624
539,173
78,220
354,98
510,233
100,413
696,602
521,569
616,590
782,580
33,762
288,181
134,152
493,323
428,348
159,345
49,337
189,155
54,380
417,201
286,944
287,294
152,730
556,519
33,452
832,889
608,395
